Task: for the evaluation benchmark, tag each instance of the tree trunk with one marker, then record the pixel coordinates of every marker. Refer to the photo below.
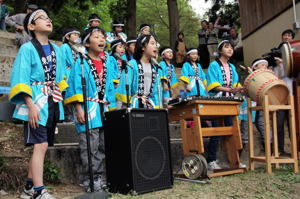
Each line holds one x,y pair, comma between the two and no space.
131,18
173,21
20,6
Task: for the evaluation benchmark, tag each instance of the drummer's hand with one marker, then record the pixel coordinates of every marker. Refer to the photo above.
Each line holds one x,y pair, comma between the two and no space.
278,60
234,90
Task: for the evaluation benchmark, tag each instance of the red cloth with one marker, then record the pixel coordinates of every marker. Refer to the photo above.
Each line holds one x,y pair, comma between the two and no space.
99,65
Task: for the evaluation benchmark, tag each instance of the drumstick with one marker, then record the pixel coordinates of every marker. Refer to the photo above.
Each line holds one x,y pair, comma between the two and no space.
243,67
249,69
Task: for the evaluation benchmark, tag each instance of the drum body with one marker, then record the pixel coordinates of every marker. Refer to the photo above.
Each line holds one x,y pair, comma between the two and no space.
291,58
265,82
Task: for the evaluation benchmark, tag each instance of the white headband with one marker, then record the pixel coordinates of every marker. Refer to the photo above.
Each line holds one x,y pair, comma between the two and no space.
166,50
119,24
88,35
72,32
192,51
32,16
258,62
131,41
144,27
116,45
95,20
222,43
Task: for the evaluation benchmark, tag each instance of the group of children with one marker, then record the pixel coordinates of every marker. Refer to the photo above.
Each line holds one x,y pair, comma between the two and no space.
45,76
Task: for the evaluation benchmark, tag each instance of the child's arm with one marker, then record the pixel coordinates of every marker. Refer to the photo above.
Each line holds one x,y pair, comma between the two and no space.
33,114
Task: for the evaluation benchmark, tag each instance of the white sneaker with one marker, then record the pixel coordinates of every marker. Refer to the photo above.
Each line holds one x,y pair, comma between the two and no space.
213,165
44,195
27,194
243,166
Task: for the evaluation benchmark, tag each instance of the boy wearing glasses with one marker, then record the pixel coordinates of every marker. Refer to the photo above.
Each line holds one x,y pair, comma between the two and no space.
37,82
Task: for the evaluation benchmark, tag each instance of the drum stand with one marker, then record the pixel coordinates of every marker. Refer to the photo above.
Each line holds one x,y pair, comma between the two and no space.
272,158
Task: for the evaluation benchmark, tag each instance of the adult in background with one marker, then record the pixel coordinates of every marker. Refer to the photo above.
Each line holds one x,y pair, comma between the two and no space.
16,21
283,115
3,14
236,40
223,28
212,40
202,48
180,49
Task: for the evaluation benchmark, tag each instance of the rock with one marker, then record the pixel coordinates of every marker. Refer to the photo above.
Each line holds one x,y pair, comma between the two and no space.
3,193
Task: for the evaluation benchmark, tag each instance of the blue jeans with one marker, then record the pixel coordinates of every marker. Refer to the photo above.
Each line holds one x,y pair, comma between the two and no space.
2,24
213,144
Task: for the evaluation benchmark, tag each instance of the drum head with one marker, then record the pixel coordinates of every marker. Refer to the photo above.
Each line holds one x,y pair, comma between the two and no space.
287,58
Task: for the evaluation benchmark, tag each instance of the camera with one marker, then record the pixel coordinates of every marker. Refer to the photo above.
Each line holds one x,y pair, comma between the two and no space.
270,56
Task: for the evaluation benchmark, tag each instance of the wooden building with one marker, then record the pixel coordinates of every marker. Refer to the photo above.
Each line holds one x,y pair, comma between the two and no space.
262,23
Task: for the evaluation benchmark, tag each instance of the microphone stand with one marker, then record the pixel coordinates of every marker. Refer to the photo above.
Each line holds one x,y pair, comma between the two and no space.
92,194
127,85
160,98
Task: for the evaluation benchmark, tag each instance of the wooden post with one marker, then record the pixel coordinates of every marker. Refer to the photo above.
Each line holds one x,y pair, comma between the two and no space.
250,137
293,134
267,134
275,138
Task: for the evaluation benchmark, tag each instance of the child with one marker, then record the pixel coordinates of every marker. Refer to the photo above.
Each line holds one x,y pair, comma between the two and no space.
222,80
70,38
145,29
116,65
169,78
100,92
37,80
94,21
143,78
260,64
116,33
192,75
130,47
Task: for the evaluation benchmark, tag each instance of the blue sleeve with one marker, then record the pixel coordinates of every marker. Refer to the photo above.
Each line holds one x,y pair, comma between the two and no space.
74,92
20,76
185,73
213,76
174,80
121,94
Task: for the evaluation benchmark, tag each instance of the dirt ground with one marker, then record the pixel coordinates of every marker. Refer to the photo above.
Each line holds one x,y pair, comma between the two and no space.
257,184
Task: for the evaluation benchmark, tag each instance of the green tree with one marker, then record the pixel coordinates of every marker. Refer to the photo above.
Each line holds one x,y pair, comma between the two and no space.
155,13
227,11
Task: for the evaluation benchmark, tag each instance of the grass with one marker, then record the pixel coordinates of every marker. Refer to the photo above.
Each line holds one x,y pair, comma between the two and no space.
283,183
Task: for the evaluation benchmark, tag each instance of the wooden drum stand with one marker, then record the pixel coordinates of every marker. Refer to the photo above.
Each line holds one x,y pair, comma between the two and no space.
269,158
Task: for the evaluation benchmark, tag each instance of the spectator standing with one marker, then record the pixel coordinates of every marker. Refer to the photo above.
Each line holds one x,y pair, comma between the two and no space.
16,21
180,49
202,48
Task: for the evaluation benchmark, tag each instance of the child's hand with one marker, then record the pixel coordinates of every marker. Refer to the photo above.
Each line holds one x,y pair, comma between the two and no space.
80,114
188,88
165,87
34,116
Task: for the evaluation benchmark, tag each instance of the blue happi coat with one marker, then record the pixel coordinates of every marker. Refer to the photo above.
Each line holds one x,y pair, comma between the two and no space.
114,67
188,75
68,57
27,69
74,94
214,77
133,80
169,75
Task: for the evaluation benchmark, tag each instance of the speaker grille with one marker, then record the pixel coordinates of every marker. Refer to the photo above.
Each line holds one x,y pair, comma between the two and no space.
150,158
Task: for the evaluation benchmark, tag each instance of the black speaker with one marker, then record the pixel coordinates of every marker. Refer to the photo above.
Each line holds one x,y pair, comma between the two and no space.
137,149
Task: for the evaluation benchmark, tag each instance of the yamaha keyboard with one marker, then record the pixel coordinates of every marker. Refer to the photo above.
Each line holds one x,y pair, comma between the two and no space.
178,101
